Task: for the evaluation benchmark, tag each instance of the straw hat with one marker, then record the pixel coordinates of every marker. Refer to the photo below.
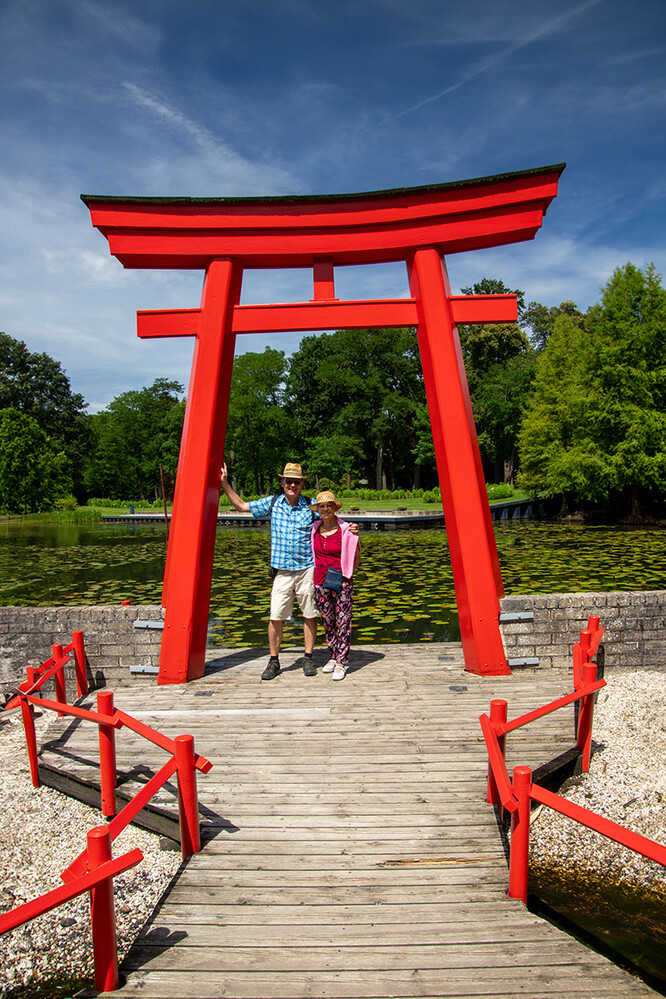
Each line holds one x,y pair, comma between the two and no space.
292,470
326,497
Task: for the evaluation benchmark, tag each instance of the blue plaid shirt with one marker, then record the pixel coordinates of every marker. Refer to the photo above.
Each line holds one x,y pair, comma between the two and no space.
291,527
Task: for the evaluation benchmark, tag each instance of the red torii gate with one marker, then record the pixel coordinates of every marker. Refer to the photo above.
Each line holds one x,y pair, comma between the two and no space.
224,236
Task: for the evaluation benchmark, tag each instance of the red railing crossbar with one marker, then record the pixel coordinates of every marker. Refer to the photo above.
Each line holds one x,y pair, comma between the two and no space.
547,709
72,709
634,841
45,672
163,741
125,816
65,893
54,667
502,781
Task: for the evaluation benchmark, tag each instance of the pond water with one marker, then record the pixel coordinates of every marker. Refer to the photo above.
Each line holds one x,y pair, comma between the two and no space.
403,585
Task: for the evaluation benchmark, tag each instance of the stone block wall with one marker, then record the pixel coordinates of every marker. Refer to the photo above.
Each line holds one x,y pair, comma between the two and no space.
634,622
113,643
635,635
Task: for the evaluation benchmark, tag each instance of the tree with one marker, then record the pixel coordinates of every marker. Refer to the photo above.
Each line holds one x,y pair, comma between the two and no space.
137,432
540,320
597,422
363,386
331,456
33,472
499,368
628,376
498,404
257,440
554,442
36,385
486,344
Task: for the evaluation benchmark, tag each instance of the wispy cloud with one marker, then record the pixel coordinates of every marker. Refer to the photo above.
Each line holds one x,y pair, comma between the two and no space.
542,31
205,155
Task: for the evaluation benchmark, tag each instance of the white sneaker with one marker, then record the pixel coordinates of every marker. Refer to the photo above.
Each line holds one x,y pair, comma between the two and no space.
339,671
329,667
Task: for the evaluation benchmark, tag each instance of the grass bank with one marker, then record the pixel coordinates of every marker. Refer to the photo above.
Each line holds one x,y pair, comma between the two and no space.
362,501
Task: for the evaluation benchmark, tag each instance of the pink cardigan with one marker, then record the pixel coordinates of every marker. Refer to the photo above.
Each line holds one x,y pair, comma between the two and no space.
350,544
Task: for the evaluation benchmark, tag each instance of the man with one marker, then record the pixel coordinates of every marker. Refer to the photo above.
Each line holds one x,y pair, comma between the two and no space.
291,556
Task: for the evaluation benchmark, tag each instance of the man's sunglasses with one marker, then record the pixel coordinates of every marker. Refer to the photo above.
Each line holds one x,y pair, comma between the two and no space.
292,482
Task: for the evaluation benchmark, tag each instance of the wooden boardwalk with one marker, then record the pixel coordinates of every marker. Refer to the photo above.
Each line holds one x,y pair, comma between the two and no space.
348,851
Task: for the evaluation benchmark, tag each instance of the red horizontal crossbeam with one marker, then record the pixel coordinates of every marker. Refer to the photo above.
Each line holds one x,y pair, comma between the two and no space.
301,316
297,231
292,248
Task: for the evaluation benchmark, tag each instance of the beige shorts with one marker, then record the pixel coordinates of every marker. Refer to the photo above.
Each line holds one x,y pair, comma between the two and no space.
288,585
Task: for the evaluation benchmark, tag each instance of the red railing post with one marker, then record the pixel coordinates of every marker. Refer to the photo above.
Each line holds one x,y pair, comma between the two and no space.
593,622
30,736
80,663
188,805
107,754
584,734
102,914
59,678
498,711
520,834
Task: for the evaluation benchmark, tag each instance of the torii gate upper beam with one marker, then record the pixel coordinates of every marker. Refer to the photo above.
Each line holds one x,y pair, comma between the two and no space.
224,236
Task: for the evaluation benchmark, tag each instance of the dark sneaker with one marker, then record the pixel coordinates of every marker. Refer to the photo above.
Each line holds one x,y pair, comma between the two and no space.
309,667
272,670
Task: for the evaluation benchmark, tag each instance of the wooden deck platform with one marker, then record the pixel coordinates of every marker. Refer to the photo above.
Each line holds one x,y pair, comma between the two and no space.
349,851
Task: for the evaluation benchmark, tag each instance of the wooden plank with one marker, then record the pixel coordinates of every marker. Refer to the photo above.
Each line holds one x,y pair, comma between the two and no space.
538,983
457,954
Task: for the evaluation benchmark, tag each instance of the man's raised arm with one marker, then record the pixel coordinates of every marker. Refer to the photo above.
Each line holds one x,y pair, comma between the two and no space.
237,503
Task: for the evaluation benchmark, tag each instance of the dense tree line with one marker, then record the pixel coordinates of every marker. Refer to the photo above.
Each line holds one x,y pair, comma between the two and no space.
44,433
594,429
565,403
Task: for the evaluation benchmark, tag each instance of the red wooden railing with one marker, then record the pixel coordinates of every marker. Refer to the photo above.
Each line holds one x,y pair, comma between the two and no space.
54,667
516,796
94,869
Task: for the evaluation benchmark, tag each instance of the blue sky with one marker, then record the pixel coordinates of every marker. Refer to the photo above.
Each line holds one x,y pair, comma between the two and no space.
251,97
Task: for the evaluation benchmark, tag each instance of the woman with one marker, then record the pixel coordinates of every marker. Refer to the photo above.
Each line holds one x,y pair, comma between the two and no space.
336,551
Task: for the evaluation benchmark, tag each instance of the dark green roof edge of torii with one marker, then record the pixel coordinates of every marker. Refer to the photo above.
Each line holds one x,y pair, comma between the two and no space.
296,199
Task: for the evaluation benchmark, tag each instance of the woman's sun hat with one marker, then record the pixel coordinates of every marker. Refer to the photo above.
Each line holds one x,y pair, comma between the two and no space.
326,497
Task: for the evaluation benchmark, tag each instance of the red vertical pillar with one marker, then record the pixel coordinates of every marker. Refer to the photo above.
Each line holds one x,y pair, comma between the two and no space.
107,754
476,572
194,519
188,804
102,914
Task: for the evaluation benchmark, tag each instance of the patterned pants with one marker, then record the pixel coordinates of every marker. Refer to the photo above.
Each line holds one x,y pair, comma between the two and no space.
336,611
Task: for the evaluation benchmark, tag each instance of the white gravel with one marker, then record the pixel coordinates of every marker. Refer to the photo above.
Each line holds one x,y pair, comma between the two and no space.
41,832
626,783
